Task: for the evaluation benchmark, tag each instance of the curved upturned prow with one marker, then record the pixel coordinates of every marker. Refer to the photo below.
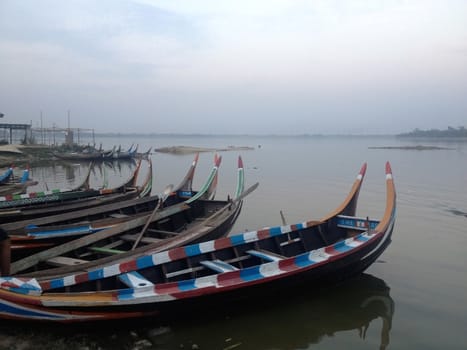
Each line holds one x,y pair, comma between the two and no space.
85,184
25,176
146,188
134,177
207,188
211,192
390,211
349,205
187,182
240,178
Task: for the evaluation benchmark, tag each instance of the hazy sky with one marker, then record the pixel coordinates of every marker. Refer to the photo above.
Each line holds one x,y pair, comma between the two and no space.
253,66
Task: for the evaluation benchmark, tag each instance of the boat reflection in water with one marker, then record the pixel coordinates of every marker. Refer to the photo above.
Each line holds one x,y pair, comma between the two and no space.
67,174
290,321
283,322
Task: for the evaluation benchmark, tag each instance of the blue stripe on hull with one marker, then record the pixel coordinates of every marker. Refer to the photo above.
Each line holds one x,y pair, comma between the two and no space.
11,310
362,238
192,250
303,260
186,285
143,262
341,247
251,274
57,283
237,239
275,231
96,275
126,294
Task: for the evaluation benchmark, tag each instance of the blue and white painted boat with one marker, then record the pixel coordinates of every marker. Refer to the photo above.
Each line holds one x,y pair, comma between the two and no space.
250,264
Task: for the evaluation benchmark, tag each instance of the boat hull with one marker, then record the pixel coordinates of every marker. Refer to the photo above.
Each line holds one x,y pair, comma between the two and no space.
314,278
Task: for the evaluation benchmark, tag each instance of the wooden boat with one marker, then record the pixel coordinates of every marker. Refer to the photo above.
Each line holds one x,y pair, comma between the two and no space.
128,207
39,204
16,188
52,230
148,283
193,220
89,153
10,187
128,154
99,155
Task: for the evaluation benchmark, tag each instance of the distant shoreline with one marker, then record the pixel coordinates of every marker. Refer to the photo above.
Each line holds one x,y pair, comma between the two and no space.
416,148
190,149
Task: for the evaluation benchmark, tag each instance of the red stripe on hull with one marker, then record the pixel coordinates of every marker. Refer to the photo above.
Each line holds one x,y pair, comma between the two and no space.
222,243
128,266
81,278
287,265
264,234
230,278
177,253
167,288
331,251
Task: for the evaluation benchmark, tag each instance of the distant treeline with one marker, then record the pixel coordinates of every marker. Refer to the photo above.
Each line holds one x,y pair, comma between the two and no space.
449,132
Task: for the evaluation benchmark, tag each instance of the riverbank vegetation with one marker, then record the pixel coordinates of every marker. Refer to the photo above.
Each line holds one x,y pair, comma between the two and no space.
460,132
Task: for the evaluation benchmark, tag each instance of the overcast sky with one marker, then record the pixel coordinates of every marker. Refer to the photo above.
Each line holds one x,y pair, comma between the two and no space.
240,67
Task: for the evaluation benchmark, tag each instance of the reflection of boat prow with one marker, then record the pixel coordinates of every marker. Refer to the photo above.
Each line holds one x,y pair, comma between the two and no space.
385,300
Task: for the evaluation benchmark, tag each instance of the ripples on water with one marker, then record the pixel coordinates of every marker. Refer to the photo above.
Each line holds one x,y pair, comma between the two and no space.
424,268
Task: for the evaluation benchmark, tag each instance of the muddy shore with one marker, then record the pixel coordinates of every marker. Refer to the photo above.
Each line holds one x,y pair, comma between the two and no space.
21,155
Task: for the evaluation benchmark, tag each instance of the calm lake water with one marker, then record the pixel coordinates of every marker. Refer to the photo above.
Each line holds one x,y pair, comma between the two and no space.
414,297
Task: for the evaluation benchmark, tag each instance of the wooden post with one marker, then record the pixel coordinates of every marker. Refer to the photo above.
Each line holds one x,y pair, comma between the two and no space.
5,253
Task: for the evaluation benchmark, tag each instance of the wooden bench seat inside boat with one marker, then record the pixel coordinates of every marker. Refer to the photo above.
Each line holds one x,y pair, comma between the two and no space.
265,255
134,279
218,265
290,241
211,267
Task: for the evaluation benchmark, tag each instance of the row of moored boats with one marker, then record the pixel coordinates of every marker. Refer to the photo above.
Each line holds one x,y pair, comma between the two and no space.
114,253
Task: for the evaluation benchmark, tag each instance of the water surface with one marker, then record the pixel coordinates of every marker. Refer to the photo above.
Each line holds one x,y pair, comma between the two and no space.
414,297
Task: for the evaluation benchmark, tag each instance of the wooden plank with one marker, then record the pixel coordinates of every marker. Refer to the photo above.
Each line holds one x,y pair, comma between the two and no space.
108,251
133,238
65,261
32,260
64,217
169,233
